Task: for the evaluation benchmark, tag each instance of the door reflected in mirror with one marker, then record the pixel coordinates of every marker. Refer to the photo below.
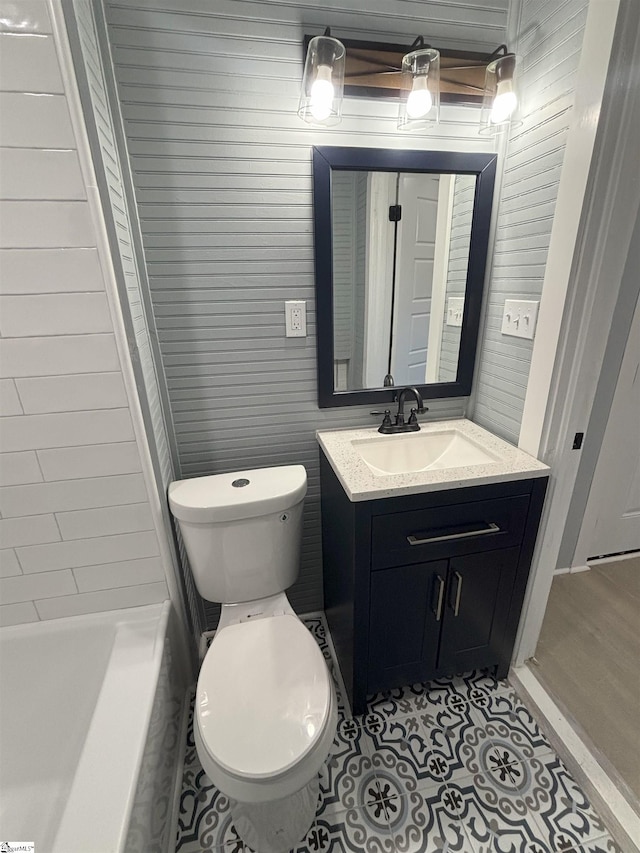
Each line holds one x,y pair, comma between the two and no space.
400,256
400,248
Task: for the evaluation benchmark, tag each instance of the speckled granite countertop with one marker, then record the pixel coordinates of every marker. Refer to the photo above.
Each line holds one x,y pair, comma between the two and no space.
361,484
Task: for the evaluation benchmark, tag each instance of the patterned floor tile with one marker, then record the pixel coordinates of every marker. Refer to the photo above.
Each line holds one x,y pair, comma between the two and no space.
511,728
480,682
426,822
398,750
457,764
458,746
605,844
343,710
400,702
347,779
495,819
316,626
353,831
475,686
566,815
204,811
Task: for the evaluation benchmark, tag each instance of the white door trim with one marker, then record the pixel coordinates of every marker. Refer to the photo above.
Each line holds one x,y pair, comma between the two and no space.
590,82
381,192
609,213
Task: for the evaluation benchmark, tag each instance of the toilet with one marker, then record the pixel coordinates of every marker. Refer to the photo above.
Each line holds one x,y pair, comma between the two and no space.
265,712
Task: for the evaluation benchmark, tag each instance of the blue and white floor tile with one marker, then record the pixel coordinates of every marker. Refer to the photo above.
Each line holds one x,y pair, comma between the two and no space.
456,765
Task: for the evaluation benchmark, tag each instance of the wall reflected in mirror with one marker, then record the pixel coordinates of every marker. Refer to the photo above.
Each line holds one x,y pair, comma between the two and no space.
400,258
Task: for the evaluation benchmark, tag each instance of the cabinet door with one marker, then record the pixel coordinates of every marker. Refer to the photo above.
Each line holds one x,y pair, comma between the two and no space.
478,597
404,623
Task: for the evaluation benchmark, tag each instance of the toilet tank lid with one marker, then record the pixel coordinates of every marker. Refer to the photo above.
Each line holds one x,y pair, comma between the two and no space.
238,495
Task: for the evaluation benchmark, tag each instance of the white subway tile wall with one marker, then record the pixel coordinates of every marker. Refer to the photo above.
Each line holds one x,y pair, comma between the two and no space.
30,173
49,270
76,528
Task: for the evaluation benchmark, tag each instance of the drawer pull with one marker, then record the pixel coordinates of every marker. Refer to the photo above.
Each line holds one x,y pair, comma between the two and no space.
456,606
412,539
438,608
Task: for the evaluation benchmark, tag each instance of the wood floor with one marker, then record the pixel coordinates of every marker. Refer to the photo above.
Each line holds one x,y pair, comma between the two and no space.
589,658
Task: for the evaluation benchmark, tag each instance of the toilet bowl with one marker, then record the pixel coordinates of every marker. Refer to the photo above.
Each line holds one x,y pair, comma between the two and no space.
265,711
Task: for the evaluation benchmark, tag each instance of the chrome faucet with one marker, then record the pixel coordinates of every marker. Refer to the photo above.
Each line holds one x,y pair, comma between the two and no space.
412,425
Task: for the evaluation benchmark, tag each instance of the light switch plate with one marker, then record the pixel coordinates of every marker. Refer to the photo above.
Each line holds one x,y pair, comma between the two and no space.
295,318
519,318
455,310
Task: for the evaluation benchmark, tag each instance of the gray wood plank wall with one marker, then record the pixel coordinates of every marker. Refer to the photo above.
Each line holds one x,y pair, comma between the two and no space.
222,171
549,47
343,217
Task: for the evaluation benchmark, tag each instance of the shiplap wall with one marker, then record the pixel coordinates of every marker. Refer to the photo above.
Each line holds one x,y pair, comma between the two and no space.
76,524
360,278
349,223
549,46
343,219
461,215
222,170
112,169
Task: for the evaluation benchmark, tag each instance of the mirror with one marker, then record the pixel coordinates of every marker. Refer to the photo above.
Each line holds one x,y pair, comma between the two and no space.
400,248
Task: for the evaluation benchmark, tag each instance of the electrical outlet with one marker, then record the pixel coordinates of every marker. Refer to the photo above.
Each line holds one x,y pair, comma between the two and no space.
455,310
295,317
519,318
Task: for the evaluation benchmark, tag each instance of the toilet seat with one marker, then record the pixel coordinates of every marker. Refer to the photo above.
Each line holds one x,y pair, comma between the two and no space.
264,699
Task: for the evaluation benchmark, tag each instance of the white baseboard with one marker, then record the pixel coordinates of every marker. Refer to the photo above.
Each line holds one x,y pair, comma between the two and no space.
572,570
618,558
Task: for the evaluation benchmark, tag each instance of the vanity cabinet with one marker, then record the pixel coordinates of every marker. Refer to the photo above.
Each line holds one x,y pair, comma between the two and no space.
425,585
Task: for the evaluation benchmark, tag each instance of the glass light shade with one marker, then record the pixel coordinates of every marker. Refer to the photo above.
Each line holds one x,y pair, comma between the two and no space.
500,107
323,82
420,97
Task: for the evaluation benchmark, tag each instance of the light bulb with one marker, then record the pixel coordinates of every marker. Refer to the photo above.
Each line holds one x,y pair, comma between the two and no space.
419,101
504,103
322,94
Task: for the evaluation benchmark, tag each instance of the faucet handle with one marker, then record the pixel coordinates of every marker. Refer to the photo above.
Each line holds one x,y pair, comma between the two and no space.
385,426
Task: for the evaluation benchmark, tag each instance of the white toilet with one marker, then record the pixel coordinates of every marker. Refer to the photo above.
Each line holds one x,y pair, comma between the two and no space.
265,711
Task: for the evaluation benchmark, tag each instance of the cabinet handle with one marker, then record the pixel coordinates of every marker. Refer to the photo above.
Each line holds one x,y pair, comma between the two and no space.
438,608
456,606
412,539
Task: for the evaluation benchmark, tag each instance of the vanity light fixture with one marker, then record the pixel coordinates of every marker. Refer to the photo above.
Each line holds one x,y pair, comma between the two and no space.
323,81
500,101
420,92
418,77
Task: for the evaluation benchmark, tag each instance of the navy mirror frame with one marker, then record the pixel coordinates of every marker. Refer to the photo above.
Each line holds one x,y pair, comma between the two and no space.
328,158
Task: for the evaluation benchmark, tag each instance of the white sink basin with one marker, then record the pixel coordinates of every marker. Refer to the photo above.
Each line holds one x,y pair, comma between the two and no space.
421,451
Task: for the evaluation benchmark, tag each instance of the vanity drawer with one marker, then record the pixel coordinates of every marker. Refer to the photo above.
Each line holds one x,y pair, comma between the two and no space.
402,538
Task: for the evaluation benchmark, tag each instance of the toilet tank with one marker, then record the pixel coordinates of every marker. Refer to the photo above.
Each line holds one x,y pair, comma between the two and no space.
242,531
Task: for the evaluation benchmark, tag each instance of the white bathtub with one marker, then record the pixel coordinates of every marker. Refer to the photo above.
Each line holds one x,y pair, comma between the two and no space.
89,716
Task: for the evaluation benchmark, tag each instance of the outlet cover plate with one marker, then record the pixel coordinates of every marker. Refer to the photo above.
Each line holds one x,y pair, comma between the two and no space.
455,310
519,318
295,318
